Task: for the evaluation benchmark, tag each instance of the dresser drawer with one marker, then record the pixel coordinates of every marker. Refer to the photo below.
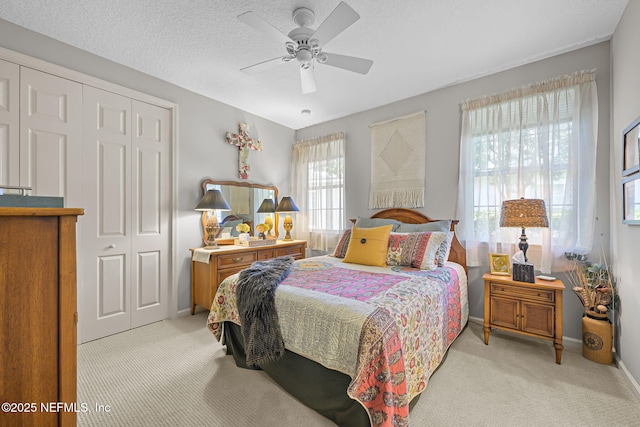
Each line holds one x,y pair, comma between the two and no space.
243,259
294,251
522,292
266,254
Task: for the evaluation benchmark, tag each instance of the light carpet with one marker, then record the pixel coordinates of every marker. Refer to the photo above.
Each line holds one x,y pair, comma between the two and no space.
174,373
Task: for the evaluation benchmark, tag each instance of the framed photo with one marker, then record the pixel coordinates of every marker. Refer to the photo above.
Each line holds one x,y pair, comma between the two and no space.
631,200
499,264
631,148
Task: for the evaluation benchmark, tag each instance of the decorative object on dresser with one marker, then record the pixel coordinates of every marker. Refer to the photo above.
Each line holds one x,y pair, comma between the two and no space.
533,309
211,202
210,268
523,213
287,205
244,144
39,314
593,284
398,162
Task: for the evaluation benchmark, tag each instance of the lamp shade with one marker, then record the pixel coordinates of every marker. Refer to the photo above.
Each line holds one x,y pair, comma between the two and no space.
287,205
212,200
267,206
523,213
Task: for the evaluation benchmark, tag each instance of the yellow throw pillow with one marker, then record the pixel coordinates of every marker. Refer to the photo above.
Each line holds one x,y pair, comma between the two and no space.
368,246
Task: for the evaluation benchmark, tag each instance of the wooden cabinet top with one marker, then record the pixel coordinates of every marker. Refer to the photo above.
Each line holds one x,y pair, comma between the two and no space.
41,211
225,249
508,280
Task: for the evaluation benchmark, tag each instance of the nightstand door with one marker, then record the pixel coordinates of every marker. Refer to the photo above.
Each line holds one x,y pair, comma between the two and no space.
505,312
538,318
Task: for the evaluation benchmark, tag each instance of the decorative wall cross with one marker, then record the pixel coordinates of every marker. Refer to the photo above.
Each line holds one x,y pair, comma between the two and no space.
244,144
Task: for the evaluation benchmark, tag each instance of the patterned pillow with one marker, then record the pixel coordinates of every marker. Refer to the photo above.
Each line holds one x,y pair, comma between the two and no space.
341,248
417,250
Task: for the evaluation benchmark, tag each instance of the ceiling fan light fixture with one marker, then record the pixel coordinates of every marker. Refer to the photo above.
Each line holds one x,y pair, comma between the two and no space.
322,58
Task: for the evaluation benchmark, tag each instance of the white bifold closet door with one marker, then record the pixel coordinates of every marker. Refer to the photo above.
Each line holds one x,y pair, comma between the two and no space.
51,136
127,204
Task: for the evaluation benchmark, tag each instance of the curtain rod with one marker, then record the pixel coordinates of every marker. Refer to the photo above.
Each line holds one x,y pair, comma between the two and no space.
398,118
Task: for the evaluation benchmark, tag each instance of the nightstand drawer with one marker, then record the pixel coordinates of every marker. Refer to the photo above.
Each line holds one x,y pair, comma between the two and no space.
521,292
235,260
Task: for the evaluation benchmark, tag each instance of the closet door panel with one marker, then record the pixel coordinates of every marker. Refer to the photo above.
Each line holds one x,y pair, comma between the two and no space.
107,234
51,135
9,123
150,210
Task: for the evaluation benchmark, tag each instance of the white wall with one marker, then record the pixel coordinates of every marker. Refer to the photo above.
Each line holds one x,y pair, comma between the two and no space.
202,123
443,140
625,107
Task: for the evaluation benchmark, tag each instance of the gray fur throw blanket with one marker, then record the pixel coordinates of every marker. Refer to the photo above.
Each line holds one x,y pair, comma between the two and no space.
255,296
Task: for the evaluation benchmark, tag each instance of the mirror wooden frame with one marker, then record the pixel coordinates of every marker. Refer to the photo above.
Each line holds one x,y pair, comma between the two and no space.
206,182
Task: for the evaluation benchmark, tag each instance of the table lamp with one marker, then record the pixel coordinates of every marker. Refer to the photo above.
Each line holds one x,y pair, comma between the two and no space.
287,205
267,206
210,202
523,213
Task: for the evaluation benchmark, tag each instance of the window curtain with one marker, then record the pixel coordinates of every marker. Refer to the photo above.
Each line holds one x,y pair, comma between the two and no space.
318,190
537,141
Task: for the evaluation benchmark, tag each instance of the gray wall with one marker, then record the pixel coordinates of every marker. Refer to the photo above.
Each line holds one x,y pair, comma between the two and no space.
625,107
443,149
202,150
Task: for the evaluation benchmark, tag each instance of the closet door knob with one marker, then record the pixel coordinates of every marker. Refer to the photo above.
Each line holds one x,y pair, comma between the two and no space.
111,246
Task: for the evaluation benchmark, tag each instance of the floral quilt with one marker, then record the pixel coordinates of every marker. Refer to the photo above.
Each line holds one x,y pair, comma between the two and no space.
387,328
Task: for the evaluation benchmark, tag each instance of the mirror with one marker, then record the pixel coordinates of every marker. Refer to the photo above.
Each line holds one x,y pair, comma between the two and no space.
244,199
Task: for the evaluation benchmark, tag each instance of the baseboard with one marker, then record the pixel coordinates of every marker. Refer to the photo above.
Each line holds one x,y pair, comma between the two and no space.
183,312
627,375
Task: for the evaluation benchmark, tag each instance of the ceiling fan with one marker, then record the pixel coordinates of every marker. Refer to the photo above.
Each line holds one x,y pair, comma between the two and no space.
304,45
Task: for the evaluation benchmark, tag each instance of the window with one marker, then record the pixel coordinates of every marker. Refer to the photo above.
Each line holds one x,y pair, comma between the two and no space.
318,189
539,142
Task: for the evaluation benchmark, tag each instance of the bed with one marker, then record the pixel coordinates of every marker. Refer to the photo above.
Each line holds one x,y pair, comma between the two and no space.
361,340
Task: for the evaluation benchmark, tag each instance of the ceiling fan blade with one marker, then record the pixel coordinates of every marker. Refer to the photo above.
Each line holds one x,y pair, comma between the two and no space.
253,20
338,20
264,65
308,80
351,63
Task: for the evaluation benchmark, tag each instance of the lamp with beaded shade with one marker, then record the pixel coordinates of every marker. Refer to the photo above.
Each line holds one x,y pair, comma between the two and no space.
287,205
524,213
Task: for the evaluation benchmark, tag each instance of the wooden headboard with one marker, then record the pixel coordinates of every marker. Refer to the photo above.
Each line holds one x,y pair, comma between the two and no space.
458,253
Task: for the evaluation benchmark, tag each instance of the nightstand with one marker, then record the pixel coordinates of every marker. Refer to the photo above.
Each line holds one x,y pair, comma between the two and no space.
533,309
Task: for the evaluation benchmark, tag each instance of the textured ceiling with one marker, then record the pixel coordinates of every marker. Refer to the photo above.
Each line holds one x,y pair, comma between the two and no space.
417,45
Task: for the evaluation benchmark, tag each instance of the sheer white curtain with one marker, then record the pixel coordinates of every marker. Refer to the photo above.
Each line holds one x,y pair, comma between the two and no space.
318,190
538,141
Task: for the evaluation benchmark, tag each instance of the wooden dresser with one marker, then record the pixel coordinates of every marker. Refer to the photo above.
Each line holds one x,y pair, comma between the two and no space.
38,315
533,309
228,260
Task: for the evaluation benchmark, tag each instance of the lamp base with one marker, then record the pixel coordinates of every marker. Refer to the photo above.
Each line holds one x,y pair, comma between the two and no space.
523,245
